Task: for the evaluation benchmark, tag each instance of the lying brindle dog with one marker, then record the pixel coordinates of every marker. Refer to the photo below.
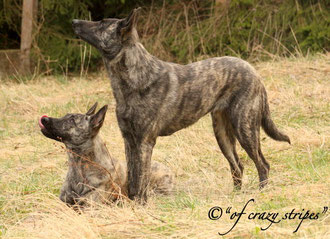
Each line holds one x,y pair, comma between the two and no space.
93,174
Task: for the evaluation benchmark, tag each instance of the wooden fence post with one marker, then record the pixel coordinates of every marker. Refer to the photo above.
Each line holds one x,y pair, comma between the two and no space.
28,13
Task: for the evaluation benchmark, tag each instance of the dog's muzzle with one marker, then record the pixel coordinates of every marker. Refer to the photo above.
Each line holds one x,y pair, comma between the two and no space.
75,26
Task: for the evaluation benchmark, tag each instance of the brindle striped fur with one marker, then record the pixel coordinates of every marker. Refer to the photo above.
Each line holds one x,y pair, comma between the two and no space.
156,98
93,174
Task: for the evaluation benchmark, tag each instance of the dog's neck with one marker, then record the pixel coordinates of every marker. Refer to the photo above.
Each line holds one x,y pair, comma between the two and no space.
135,66
90,151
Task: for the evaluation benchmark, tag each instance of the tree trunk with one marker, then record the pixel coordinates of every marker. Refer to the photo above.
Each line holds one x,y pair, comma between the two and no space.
28,13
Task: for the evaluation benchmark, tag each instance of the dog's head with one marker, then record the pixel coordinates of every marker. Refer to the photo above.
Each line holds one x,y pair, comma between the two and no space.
74,129
109,35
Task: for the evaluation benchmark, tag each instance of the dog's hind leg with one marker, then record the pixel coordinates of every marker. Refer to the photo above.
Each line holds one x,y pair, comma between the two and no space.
247,131
226,139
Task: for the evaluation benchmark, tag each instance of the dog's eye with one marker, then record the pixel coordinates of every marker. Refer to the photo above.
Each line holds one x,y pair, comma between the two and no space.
72,121
103,23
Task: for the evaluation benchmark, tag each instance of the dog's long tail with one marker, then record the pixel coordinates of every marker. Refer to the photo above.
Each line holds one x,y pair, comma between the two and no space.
269,126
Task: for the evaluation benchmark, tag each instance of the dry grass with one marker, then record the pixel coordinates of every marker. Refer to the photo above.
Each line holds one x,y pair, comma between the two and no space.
32,168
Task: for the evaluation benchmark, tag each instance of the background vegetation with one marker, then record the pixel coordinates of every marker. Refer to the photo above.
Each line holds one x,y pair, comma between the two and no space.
180,31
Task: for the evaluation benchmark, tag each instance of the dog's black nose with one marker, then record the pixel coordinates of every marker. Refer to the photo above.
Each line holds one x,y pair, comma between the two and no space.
44,120
75,21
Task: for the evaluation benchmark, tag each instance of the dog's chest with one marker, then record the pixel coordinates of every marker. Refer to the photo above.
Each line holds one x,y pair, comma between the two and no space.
86,174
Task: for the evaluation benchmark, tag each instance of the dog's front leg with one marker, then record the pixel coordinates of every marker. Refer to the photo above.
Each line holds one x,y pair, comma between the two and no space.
66,194
138,157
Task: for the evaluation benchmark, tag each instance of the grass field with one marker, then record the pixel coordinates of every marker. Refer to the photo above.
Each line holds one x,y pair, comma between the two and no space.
32,167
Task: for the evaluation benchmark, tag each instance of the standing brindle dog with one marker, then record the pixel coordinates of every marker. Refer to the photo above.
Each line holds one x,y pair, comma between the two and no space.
157,98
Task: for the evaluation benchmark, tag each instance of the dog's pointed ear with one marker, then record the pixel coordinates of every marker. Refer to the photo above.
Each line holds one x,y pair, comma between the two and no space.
129,23
98,118
91,111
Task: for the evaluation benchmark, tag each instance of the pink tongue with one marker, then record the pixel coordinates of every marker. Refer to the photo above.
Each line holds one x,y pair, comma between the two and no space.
40,124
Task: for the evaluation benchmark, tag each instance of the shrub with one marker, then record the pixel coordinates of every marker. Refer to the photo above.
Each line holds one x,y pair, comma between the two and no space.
180,31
